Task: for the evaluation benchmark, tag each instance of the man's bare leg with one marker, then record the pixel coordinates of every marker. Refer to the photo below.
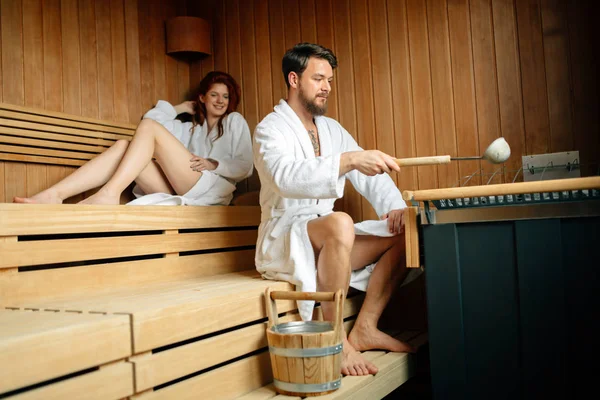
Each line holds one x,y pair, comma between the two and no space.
332,237
389,253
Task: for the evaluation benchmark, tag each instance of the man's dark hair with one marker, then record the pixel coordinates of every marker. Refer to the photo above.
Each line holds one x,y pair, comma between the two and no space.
296,58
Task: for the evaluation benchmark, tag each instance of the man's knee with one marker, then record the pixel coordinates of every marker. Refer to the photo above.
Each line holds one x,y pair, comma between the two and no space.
340,227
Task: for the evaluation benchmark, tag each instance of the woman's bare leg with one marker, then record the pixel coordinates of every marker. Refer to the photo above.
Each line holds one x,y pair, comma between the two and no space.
90,175
150,140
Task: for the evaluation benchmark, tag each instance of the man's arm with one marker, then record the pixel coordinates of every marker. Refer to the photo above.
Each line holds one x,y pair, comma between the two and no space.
368,162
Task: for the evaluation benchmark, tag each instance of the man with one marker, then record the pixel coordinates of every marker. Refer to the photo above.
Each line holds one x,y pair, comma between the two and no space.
303,160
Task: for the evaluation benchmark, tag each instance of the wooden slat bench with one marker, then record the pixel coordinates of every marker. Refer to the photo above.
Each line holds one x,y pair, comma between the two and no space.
112,302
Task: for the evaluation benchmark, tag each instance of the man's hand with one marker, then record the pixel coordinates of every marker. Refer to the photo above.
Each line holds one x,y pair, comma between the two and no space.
186,107
395,221
368,162
200,164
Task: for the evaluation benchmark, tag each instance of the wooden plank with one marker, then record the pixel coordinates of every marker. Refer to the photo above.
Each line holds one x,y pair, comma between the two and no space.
133,54
36,179
234,50
53,73
363,76
1,78
40,159
89,59
278,49
402,99
61,343
219,27
93,384
51,136
486,82
226,382
67,218
348,115
584,64
146,63
71,62
14,184
33,56
382,80
84,122
171,63
291,23
463,86
421,86
104,60
308,22
119,60
11,27
46,284
325,37
262,393
249,72
533,77
17,119
40,252
45,152
49,144
442,90
2,190
556,53
510,95
156,32
263,60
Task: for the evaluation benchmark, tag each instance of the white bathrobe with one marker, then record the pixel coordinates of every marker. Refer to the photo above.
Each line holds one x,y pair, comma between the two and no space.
233,151
296,187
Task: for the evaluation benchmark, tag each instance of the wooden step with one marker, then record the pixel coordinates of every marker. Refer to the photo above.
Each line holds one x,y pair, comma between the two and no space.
36,346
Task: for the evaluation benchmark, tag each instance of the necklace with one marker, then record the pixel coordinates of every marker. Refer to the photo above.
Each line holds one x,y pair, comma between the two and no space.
315,142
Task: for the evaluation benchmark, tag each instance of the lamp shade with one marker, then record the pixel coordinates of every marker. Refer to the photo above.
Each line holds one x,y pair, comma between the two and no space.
188,35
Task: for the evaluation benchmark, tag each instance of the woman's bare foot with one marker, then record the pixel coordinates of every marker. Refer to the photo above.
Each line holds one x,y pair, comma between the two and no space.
367,338
353,362
101,197
45,197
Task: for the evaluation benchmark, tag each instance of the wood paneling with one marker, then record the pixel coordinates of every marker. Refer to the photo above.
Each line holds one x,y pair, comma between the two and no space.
420,77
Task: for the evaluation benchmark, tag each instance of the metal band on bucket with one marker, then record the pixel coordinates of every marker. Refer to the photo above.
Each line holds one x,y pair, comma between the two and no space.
307,387
300,353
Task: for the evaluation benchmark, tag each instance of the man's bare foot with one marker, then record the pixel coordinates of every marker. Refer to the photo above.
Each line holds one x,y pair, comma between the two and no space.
101,197
365,338
44,197
353,362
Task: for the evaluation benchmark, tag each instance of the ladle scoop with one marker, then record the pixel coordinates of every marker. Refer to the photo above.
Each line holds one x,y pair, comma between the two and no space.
496,153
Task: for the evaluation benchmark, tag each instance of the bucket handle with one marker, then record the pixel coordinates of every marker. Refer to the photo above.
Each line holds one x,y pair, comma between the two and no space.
337,297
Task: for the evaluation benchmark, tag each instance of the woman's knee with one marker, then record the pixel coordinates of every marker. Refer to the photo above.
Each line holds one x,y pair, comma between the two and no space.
146,126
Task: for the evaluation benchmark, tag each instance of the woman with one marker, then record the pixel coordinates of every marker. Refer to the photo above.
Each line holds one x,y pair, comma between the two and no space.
171,162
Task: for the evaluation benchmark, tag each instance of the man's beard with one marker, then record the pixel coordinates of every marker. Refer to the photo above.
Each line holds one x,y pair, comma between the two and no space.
311,106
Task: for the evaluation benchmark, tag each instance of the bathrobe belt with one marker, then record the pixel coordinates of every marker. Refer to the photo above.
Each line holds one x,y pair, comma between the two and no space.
285,215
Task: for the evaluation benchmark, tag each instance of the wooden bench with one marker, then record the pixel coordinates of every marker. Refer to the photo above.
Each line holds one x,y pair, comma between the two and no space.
137,301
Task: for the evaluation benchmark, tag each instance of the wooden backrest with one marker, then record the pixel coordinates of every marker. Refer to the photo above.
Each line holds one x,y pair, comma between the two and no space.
45,137
64,250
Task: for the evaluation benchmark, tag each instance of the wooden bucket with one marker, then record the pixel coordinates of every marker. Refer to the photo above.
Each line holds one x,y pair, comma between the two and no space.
305,355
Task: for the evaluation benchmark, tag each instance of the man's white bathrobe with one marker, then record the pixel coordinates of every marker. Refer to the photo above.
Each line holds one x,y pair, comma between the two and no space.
233,151
296,187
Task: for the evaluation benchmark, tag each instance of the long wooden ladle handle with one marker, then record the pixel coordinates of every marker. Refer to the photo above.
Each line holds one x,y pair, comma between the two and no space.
416,161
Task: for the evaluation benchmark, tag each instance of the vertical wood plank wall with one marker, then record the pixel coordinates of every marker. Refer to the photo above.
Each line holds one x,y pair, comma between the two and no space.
426,77
96,58
415,77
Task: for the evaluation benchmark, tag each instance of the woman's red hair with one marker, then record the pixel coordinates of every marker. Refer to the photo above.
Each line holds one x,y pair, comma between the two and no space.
207,82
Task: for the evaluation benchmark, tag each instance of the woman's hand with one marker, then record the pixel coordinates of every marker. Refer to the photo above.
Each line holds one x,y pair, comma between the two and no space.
395,221
186,107
200,164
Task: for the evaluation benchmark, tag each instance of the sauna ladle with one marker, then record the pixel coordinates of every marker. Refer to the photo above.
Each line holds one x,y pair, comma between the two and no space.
496,153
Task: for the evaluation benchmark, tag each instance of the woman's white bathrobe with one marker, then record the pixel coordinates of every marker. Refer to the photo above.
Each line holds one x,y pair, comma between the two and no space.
233,151
296,187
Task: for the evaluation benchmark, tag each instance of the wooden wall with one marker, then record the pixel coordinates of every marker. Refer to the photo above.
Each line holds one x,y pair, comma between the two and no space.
96,58
427,77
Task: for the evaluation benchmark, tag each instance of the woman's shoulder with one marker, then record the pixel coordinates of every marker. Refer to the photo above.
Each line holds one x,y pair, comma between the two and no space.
235,117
